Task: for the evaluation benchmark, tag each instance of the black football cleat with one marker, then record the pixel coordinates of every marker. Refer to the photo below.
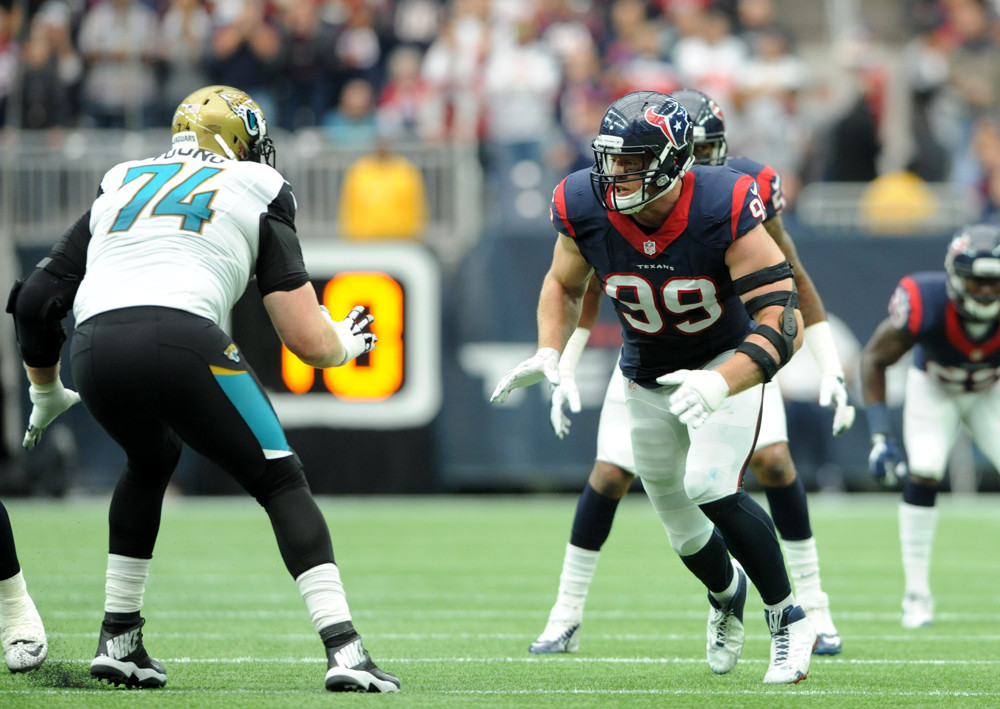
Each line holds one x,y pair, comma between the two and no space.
122,660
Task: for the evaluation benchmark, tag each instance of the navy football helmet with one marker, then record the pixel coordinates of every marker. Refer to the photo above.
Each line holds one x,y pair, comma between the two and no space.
709,126
973,266
649,125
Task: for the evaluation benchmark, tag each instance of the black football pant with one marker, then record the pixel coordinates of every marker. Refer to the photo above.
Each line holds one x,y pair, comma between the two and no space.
153,377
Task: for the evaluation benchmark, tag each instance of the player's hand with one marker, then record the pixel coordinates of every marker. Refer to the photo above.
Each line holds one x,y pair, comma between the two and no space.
544,364
354,333
566,394
885,462
833,393
699,393
48,401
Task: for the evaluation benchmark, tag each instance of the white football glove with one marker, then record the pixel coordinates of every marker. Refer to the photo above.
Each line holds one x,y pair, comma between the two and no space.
544,364
566,393
699,393
833,392
49,400
354,333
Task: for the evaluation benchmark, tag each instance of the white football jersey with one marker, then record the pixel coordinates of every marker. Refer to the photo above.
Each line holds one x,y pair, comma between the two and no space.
181,230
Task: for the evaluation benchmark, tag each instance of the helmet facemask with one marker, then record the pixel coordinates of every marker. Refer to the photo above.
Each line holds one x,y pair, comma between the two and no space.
656,178
973,262
653,130
709,152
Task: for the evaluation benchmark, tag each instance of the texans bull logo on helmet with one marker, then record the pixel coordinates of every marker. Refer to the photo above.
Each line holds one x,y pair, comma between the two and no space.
663,122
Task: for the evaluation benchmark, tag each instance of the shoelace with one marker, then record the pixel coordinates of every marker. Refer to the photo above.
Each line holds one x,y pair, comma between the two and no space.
781,647
566,634
721,626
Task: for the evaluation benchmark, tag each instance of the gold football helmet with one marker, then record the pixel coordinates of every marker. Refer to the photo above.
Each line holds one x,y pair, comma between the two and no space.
225,121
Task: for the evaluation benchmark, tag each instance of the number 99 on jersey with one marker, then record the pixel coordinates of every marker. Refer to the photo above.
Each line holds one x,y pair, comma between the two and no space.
398,384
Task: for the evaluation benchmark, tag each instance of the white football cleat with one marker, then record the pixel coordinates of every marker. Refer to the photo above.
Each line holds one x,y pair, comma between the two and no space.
558,636
793,638
725,627
918,610
24,644
827,638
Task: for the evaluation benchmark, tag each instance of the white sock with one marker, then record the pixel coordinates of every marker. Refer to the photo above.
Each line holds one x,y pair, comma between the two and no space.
916,535
774,612
803,562
730,591
323,592
13,595
125,583
574,582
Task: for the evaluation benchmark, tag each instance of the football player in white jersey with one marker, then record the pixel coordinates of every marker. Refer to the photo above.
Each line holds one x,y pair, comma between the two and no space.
614,466
151,271
25,646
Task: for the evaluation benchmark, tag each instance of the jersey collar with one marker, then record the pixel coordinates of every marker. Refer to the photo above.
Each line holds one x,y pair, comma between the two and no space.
652,245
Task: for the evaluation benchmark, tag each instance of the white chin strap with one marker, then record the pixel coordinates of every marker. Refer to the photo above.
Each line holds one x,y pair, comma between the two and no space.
222,144
640,196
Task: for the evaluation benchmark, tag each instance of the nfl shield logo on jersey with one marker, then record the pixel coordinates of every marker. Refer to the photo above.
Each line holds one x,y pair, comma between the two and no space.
649,247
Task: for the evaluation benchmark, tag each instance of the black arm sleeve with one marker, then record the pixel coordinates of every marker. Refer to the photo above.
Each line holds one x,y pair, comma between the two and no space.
41,301
279,260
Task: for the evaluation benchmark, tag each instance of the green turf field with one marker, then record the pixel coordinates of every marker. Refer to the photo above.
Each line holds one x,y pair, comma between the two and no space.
449,592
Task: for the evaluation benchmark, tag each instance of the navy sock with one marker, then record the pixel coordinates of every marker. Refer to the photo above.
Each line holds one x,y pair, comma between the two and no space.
750,536
711,564
9,565
789,510
592,523
919,495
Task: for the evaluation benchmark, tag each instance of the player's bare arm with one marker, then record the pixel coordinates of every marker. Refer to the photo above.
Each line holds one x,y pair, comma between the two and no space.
561,300
754,252
591,306
886,346
307,330
810,303
559,305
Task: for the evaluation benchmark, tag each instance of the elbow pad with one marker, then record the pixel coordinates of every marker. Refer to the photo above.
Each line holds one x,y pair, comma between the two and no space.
783,341
39,304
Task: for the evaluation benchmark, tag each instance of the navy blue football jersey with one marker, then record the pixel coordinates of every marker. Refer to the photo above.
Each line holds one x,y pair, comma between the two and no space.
671,289
768,181
920,305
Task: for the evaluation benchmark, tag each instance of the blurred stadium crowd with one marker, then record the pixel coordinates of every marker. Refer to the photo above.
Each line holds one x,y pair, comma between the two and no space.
838,91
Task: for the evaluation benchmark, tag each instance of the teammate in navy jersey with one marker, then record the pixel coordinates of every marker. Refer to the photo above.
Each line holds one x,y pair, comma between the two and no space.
951,321
614,466
681,252
151,271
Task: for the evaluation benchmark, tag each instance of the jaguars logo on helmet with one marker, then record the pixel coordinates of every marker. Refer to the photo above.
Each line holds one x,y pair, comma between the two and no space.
648,125
974,254
224,121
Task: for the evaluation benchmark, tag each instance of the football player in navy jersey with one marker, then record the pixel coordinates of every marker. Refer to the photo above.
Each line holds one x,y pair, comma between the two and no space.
709,313
614,465
951,321
25,646
151,272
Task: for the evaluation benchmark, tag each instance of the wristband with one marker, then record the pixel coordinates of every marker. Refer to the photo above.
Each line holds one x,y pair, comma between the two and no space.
574,349
878,419
47,388
819,339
